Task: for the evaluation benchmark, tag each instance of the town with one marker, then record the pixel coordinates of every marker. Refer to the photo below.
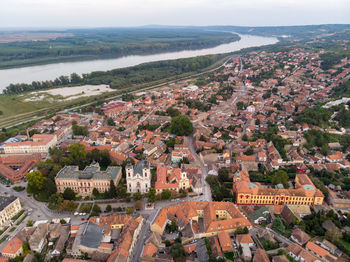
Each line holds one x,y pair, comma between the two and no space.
249,162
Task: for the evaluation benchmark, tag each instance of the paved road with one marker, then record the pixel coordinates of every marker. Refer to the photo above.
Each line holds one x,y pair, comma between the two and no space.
206,187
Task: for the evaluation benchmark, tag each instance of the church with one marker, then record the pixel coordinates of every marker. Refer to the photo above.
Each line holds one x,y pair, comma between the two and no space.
138,177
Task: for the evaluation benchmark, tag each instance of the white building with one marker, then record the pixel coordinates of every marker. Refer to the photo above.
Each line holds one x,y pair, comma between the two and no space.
138,177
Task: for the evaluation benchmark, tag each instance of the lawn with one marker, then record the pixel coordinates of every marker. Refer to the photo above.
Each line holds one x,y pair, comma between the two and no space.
14,218
18,188
2,231
3,238
85,208
21,220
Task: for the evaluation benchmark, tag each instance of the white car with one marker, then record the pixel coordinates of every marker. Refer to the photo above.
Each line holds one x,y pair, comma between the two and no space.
76,213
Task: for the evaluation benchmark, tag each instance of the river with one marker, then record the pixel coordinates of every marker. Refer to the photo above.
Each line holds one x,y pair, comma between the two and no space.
51,71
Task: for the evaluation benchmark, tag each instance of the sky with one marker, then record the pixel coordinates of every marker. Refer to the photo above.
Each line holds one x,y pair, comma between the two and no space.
123,13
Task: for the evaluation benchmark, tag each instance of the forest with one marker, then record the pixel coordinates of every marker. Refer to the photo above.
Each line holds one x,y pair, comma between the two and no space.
88,44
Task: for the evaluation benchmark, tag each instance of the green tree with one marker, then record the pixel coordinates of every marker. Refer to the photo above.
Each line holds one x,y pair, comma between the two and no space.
77,155
68,194
36,182
26,248
137,196
151,195
280,177
278,225
177,251
181,125
96,210
95,192
166,194
108,208
334,235
240,105
110,122
112,192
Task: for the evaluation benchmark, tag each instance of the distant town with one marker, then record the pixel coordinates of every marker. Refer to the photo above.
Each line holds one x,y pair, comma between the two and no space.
249,162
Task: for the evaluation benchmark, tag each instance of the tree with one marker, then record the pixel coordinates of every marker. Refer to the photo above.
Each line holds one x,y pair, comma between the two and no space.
280,177
68,194
108,208
26,248
240,105
55,201
35,182
166,194
278,225
137,196
96,210
151,195
79,130
112,192
245,137
177,251
30,223
95,192
334,235
249,151
223,175
181,125
110,122
77,155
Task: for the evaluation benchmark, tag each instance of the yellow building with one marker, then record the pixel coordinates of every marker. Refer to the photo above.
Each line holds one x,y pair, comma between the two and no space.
9,207
217,217
84,181
304,193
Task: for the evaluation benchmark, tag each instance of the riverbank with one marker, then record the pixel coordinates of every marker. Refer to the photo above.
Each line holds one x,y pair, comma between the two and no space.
52,71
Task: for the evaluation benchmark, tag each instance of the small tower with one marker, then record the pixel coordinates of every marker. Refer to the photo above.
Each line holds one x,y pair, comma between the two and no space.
145,169
129,169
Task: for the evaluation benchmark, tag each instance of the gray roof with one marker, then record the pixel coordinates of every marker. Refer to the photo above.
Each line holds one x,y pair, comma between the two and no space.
90,172
92,236
5,201
138,169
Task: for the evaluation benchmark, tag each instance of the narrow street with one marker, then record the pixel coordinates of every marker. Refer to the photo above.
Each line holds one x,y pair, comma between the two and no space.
206,187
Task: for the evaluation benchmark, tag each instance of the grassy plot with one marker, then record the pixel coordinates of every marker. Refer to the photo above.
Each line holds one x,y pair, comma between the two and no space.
14,218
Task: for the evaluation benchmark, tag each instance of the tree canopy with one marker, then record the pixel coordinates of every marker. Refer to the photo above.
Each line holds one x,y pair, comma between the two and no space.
181,126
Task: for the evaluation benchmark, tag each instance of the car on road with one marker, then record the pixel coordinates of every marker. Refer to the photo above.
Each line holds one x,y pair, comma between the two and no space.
76,213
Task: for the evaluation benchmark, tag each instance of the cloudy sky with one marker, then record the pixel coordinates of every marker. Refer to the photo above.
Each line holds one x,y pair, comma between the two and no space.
97,13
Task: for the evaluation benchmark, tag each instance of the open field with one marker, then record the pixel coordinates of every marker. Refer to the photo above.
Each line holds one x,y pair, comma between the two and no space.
8,37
